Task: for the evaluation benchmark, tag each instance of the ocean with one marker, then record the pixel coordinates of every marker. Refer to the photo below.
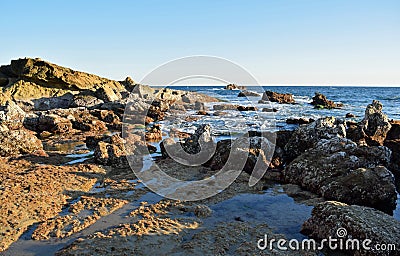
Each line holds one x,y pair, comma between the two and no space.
355,100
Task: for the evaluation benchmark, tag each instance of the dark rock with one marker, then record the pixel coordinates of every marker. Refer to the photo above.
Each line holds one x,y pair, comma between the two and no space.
202,112
54,124
307,136
247,108
338,169
248,94
359,222
300,120
373,129
320,101
269,110
226,107
278,97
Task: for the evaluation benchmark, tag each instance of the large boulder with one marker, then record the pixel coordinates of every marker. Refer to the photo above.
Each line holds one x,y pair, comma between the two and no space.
277,97
16,142
342,221
375,125
30,79
307,136
320,101
339,170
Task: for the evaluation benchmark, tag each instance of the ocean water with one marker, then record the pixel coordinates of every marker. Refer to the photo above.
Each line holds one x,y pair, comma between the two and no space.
355,100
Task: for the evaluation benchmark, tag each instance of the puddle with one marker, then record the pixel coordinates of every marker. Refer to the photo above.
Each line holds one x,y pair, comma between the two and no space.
273,207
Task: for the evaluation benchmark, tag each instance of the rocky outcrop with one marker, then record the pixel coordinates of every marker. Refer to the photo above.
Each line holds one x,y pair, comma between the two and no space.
339,170
358,223
277,97
32,79
307,136
248,94
374,127
320,101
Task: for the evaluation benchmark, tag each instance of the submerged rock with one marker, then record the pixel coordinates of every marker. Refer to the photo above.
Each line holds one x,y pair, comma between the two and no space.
356,222
320,101
338,169
278,97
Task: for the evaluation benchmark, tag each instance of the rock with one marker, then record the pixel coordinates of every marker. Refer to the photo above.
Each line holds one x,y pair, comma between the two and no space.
84,121
299,120
248,94
278,97
350,115
129,83
202,113
234,87
307,136
374,127
269,110
175,133
320,101
375,124
107,94
339,170
202,211
21,141
247,108
225,107
36,79
220,113
85,100
54,124
359,223
154,133
144,91
11,115
115,151
394,132
113,120
200,106
258,150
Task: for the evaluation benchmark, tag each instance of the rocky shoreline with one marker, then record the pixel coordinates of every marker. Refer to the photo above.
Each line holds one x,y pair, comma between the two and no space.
64,166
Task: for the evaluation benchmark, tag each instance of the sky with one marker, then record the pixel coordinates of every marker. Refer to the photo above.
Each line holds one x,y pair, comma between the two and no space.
278,41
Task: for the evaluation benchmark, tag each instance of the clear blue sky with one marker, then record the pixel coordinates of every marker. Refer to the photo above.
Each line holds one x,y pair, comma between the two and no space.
279,41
